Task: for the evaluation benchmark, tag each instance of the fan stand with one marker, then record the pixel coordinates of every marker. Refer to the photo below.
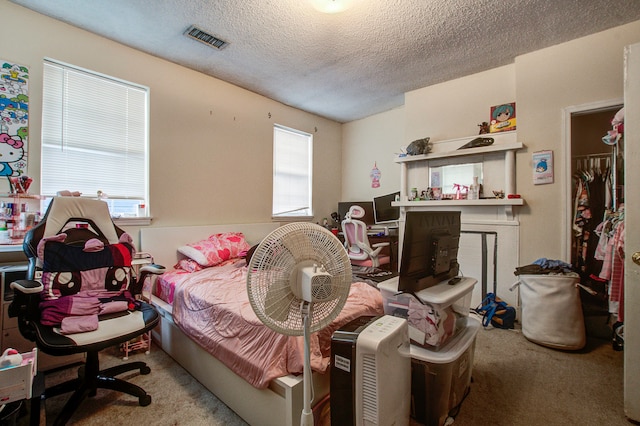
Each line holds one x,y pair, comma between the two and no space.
306,419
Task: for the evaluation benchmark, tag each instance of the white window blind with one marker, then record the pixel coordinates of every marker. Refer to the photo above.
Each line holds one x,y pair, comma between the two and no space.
94,136
292,166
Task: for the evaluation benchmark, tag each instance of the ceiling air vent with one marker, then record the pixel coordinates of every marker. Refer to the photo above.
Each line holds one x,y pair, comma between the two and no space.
204,37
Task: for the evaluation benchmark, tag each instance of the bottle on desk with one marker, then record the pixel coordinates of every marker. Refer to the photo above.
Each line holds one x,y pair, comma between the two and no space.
474,190
4,233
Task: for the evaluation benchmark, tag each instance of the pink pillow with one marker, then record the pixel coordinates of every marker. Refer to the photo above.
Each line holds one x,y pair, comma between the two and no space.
188,265
216,249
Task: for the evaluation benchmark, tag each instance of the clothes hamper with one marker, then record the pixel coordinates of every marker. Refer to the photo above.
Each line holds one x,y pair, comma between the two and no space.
440,379
551,311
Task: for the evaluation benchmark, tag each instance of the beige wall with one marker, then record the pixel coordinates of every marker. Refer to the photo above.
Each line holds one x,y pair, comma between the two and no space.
582,71
374,140
542,83
210,141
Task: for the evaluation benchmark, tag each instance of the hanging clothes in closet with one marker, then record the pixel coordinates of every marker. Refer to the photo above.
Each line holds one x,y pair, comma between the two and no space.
612,227
592,189
611,252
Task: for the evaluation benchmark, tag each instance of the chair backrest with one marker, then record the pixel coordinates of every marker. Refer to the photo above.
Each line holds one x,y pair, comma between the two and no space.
82,219
355,231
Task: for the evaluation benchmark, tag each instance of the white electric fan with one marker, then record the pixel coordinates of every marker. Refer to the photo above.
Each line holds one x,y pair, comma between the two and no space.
298,281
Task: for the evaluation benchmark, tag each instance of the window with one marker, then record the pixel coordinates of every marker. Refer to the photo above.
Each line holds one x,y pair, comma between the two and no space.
95,137
292,162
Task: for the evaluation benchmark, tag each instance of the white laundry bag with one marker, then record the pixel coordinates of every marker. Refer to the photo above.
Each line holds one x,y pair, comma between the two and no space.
551,311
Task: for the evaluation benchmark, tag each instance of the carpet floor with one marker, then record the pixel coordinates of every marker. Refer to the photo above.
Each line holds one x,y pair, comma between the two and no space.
514,382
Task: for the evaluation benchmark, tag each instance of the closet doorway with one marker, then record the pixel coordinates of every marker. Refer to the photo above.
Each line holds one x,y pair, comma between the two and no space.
594,182
588,157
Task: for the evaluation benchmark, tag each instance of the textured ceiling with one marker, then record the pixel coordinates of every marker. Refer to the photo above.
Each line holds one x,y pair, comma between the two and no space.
348,65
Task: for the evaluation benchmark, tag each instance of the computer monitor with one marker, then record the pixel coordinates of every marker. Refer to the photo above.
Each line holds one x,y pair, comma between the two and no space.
429,249
383,212
344,206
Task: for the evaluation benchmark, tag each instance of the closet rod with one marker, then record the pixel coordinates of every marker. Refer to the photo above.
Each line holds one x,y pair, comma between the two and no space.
587,156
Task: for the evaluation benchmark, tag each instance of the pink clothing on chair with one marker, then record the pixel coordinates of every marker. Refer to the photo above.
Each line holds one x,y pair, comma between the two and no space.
79,324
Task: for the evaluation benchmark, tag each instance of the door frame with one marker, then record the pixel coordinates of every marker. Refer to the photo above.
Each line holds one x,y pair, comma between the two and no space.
567,195
632,240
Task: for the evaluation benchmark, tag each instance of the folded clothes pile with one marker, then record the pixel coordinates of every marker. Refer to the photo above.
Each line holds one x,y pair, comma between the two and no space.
544,266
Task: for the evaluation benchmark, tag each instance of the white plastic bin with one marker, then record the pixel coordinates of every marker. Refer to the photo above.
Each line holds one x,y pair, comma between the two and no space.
16,381
551,311
440,379
446,305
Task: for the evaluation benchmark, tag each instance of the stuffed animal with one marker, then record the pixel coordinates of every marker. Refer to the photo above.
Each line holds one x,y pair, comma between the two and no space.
10,358
419,146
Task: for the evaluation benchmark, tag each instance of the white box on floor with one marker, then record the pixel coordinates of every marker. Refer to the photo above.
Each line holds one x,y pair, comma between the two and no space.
440,379
16,381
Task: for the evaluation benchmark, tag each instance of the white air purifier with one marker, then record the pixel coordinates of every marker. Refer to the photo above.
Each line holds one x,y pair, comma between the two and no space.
371,373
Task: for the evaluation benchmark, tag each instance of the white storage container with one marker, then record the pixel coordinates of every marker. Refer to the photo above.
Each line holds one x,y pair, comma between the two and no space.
551,311
446,305
16,381
440,379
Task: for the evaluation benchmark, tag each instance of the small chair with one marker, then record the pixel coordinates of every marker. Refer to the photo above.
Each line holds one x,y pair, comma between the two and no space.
356,241
79,257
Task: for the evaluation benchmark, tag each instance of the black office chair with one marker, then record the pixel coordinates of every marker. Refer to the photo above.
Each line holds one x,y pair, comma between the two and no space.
92,261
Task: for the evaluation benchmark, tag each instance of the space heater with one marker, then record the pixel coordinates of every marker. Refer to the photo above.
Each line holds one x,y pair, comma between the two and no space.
371,372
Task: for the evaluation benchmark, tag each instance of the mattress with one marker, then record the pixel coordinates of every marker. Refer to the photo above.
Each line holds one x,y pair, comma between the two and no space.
212,307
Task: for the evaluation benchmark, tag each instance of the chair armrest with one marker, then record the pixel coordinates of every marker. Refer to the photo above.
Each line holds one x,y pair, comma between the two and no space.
367,249
376,245
147,271
25,304
27,286
153,268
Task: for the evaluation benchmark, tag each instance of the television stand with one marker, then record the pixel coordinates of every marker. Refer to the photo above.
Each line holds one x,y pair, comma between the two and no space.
442,294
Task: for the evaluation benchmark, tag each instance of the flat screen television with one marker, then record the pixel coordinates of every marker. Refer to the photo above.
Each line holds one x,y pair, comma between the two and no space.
383,212
429,249
344,206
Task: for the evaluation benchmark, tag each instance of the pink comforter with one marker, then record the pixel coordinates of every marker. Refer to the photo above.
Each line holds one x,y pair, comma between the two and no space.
212,307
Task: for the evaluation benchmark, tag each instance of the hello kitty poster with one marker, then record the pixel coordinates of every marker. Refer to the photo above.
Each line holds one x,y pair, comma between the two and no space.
14,120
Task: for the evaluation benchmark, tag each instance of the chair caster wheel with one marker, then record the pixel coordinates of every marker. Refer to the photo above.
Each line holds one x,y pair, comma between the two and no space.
144,400
145,370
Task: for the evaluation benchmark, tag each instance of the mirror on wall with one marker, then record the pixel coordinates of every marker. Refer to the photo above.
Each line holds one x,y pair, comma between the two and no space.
449,177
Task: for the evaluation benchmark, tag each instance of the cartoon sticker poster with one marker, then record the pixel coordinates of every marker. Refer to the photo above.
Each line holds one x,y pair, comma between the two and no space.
14,120
375,176
542,167
503,118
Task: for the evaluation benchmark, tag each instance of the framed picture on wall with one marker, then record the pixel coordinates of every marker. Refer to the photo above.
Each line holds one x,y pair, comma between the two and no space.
542,167
503,118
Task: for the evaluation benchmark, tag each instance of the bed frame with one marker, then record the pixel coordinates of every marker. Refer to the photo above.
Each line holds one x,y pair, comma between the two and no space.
281,403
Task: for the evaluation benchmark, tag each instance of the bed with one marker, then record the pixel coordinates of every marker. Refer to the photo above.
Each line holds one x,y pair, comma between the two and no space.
260,395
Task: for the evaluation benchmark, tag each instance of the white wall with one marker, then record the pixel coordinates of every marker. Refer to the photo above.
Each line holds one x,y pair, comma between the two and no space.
582,71
455,108
372,140
210,141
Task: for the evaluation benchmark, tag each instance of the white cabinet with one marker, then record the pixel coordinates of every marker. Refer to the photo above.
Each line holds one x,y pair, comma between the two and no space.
499,169
487,222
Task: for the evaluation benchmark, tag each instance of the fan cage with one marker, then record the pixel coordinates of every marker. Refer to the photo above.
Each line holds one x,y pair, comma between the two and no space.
273,273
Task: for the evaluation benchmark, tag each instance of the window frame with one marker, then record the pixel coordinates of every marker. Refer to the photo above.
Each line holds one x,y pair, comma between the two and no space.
306,208
140,148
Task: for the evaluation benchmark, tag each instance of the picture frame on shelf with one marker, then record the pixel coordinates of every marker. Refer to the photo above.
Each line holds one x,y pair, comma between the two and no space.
503,118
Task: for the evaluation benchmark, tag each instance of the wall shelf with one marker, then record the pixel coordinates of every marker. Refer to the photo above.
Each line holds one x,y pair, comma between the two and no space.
504,147
481,202
460,152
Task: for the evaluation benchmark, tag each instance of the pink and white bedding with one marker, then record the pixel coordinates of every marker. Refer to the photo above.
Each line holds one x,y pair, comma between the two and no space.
212,307
165,285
